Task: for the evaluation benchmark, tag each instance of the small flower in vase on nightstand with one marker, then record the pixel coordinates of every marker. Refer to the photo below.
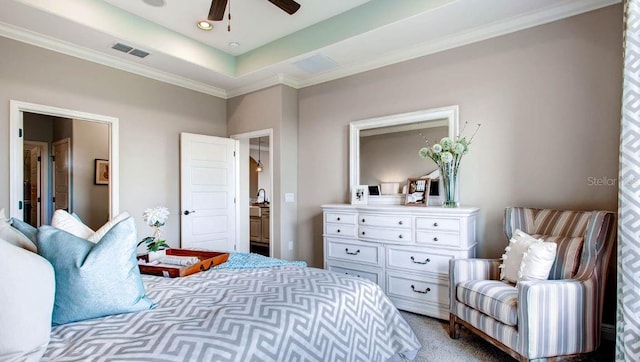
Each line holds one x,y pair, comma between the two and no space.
447,155
156,218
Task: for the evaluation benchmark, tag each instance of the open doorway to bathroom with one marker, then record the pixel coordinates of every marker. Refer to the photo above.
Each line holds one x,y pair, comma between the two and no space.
260,204
255,180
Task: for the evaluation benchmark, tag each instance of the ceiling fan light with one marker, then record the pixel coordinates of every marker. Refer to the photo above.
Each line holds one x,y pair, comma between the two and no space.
204,25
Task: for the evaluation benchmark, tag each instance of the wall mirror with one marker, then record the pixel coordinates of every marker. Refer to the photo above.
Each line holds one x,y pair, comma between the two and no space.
84,138
384,150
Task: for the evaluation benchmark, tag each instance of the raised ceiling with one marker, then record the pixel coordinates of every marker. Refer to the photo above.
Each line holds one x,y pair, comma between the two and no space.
324,40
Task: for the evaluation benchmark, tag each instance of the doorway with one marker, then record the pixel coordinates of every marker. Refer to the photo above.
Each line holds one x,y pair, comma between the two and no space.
35,191
83,126
256,220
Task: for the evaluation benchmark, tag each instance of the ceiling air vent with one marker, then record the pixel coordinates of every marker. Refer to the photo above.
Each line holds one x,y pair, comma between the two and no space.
139,53
316,64
129,50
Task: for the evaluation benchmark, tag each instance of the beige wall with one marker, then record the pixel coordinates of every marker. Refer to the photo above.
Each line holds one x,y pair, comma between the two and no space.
152,115
548,99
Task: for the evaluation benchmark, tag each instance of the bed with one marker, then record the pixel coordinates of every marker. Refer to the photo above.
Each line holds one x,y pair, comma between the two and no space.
284,313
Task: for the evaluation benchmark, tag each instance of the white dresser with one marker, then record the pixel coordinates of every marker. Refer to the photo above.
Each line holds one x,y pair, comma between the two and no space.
404,249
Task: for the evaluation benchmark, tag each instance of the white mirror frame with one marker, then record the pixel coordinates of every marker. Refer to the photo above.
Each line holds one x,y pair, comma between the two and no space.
450,113
16,109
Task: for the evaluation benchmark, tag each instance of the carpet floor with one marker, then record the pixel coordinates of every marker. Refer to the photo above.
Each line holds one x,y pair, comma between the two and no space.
437,346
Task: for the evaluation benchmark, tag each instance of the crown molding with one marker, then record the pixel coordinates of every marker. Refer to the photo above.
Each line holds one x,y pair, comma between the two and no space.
562,10
278,79
60,46
553,13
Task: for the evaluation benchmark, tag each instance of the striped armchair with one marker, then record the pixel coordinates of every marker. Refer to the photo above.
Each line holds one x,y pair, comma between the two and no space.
539,319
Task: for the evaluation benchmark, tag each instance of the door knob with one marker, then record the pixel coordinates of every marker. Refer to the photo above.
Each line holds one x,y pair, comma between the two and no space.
187,212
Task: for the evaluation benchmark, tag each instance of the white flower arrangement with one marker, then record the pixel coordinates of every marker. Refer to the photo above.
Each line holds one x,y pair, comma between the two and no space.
156,218
447,155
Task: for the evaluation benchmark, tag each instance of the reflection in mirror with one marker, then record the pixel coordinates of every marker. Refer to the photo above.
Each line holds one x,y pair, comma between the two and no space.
66,180
384,151
380,166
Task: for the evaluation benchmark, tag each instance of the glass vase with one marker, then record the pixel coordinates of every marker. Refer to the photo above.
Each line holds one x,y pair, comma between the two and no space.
449,182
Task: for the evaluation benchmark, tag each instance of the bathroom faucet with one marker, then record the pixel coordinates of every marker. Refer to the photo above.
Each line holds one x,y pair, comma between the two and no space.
264,196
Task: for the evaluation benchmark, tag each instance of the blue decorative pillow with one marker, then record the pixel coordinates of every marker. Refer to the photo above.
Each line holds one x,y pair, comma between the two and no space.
94,280
26,229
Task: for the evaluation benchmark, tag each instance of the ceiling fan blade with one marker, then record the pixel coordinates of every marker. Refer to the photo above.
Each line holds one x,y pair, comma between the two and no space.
289,6
216,13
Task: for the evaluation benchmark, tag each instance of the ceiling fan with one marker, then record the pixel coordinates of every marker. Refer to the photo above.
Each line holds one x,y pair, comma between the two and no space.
216,12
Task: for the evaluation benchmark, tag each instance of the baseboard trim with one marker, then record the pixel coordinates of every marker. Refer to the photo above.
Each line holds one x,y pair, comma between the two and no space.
608,332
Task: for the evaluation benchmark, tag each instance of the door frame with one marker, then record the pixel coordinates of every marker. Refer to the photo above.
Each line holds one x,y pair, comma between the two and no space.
16,126
44,179
69,175
242,213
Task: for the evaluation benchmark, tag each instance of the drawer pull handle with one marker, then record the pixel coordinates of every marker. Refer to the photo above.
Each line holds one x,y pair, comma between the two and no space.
435,239
400,236
351,253
426,261
435,224
420,291
400,222
363,220
338,230
363,233
338,219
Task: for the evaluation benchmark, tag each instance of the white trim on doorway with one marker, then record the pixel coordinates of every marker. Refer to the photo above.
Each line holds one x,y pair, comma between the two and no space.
16,109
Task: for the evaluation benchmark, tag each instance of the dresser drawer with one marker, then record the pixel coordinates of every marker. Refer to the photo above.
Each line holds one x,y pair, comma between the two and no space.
338,218
436,223
354,252
373,276
437,238
420,261
332,229
387,234
417,289
393,221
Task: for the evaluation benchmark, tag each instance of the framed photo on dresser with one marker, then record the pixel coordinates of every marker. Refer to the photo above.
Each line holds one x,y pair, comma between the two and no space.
359,195
417,192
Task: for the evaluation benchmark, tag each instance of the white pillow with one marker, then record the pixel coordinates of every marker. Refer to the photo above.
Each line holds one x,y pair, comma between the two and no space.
537,261
27,289
13,236
512,258
69,223
97,236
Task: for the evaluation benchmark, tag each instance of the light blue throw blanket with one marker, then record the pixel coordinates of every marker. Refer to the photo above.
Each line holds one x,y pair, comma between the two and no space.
254,261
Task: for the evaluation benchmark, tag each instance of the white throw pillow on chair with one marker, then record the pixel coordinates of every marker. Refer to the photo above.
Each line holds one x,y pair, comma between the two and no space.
527,258
512,258
537,261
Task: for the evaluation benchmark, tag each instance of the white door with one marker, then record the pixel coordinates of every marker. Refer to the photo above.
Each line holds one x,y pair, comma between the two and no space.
62,174
207,192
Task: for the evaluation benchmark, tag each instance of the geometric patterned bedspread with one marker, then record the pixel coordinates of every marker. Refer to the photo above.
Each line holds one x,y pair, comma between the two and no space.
276,314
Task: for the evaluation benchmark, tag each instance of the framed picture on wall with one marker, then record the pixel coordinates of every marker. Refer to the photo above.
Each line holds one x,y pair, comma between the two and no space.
417,192
359,195
101,172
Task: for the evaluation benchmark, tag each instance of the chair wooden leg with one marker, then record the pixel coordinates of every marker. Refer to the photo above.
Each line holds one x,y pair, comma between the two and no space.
453,328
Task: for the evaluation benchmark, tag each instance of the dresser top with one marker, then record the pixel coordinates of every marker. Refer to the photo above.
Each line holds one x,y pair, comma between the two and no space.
461,210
